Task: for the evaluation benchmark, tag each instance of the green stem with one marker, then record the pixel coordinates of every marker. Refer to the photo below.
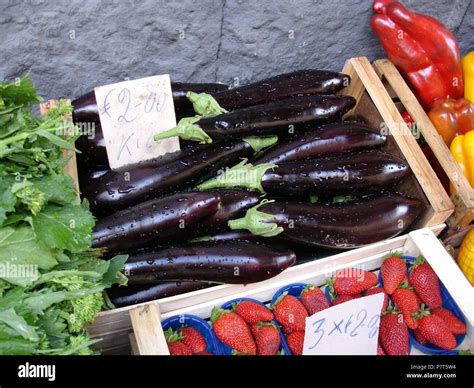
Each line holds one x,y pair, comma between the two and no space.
257,222
24,136
205,105
186,130
242,175
259,143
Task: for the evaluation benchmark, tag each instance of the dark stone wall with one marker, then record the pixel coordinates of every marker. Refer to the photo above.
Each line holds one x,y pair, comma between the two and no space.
71,46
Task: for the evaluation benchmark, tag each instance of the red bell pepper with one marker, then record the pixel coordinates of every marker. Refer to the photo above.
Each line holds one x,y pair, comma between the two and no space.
422,48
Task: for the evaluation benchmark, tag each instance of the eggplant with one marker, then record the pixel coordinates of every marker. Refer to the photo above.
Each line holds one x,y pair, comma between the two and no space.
335,225
327,140
130,185
233,262
234,203
130,295
230,235
365,171
274,118
88,175
280,87
155,222
85,108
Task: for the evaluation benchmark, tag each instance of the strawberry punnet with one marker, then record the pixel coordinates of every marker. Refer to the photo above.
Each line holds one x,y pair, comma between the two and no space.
425,282
393,272
394,334
253,312
233,331
313,299
290,313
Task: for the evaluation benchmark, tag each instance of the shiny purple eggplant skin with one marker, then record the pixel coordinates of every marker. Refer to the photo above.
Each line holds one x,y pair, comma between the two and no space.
233,262
234,235
234,204
327,140
85,108
366,171
128,186
92,148
155,222
87,175
301,82
344,225
130,295
278,117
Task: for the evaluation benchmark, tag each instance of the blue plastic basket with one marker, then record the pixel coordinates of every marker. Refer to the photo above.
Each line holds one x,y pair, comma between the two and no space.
227,350
449,304
177,321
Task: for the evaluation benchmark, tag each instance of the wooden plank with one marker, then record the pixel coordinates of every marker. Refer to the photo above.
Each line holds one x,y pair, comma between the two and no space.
464,196
146,322
355,88
439,199
71,167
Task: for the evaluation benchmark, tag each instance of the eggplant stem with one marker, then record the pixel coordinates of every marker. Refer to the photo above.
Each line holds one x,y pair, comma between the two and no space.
242,175
257,222
186,130
259,143
205,105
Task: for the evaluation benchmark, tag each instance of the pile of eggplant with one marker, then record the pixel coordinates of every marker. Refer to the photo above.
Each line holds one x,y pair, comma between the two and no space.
264,169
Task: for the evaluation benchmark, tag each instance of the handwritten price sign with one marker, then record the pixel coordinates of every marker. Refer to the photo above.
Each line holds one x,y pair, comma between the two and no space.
131,113
349,328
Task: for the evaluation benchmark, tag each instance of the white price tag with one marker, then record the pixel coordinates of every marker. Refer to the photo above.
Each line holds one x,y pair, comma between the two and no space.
131,113
348,328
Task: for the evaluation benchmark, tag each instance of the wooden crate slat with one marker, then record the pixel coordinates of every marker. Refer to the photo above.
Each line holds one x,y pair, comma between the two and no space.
420,166
464,195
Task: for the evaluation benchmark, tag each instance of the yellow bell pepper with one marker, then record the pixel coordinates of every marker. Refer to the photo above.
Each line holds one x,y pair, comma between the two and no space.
462,148
466,256
468,75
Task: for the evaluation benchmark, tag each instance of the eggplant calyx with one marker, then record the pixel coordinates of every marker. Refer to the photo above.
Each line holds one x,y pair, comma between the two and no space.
186,130
259,143
205,105
257,222
243,175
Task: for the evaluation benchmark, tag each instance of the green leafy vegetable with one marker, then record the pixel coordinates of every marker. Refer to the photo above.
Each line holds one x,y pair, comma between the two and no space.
51,282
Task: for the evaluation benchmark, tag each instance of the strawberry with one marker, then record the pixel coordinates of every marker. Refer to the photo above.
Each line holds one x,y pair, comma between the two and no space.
454,324
179,349
233,331
393,272
267,337
351,281
193,339
341,299
290,313
393,334
204,354
313,299
419,337
253,312
406,302
435,330
380,351
295,342
425,282
379,290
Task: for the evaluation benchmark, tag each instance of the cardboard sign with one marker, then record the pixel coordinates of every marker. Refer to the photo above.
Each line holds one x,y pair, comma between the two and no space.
348,328
131,113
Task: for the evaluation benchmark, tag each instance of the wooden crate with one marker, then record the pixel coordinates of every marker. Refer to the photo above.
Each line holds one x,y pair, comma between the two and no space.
463,198
376,105
148,336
